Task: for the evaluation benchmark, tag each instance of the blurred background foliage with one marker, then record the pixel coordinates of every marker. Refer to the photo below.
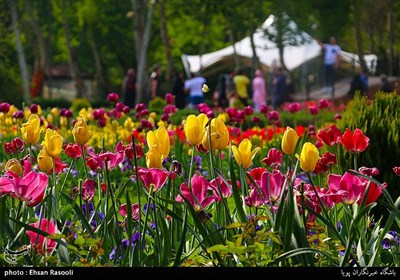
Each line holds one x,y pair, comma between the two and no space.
103,38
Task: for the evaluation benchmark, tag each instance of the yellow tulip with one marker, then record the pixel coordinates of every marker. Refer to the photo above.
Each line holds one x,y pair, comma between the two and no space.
31,130
52,142
151,120
289,141
50,118
309,157
154,159
128,124
9,122
159,139
45,162
14,165
55,111
223,117
63,121
40,111
81,132
194,128
27,112
244,155
161,123
12,110
153,115
219,135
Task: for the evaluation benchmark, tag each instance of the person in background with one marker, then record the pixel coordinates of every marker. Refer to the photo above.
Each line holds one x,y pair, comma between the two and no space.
129,88
241,83
178,91
193,87
230,88
359,83
259,90
222,100
331,63
279,83
386,86
155,84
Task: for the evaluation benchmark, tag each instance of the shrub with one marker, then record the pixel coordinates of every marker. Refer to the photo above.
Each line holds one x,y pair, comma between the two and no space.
182,114
380,121
80,103
157,105
53,102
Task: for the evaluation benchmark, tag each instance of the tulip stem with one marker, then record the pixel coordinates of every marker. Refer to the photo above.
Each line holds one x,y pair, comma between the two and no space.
66,177
138,195
84,161
191,166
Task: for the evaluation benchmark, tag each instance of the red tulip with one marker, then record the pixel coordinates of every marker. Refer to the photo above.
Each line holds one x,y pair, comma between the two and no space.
330,135
355,142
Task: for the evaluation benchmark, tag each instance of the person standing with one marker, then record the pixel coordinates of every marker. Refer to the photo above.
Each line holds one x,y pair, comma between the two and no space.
178,91
193,87
259,90
279,83
222,100
155,83
129,88
241,83
331,62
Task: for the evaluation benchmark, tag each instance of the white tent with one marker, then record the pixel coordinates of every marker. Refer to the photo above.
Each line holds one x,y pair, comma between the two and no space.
268,53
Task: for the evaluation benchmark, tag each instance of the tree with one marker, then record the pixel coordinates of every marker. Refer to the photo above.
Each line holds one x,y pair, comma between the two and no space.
20,51
283,32
64,11
141,80
166,43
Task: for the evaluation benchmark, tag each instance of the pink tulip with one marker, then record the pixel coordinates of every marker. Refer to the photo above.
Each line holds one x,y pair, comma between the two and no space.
88,188
112,97
153,178
274,158
135,211
29,188
226,189
198,193
40,242
169,98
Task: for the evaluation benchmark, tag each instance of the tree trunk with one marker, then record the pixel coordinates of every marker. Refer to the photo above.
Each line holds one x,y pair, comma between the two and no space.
279,40
391,38
43,63
138,6
359,38
72,59
255,61
141,82
20,51
167,46
99,77
233,39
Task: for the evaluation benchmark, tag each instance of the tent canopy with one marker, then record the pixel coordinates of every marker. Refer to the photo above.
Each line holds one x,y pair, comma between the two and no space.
268,52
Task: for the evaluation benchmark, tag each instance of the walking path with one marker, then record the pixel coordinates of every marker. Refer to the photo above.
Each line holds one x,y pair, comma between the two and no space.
341,89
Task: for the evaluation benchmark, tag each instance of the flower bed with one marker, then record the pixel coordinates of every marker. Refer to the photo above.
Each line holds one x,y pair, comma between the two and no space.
120,187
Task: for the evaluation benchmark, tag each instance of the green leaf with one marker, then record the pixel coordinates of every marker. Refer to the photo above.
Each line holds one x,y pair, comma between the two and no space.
79,241
78,212
217,248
